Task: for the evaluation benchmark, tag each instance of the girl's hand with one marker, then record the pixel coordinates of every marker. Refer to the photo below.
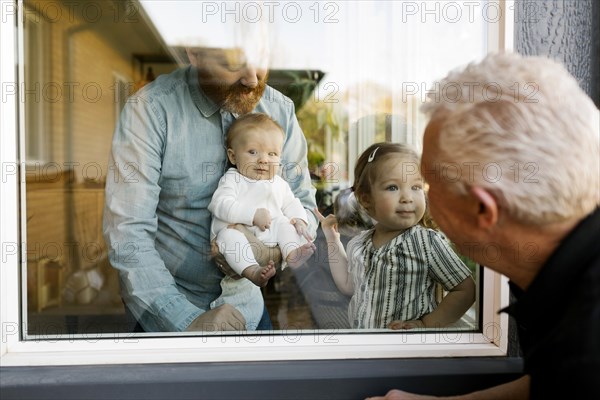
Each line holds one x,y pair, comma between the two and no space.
329,224
262,219
399,324
301,228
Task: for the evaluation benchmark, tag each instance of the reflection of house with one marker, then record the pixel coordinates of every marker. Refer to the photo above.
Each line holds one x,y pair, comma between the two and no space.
82,60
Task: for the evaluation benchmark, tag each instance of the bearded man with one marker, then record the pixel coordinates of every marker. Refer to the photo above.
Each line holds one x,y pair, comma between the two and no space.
168,154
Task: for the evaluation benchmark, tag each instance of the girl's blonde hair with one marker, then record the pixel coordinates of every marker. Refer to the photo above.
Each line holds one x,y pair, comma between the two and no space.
366,171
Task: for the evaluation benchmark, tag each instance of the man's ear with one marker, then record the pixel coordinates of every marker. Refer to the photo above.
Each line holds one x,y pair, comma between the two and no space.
231,155
487,216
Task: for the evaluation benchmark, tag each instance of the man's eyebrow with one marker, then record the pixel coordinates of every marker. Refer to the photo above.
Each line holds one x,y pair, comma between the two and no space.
233,54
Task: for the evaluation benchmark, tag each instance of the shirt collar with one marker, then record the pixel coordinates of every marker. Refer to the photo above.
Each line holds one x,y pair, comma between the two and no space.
566,265
517,292
206,106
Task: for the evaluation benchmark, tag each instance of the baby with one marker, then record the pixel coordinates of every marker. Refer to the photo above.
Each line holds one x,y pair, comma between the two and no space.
254,195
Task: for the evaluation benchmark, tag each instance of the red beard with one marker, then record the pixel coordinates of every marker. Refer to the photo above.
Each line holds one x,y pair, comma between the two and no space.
241,99
237,98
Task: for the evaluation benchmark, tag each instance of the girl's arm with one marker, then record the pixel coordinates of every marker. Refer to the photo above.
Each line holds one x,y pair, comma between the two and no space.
338,260
453,305
451,308
448,269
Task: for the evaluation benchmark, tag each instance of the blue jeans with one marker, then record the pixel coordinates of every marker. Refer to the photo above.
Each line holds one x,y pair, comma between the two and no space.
265,322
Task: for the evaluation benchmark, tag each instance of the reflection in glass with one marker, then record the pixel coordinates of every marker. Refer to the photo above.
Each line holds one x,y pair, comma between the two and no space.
355,74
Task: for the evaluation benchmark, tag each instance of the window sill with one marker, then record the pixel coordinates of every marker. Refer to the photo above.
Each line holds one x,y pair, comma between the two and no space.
344,379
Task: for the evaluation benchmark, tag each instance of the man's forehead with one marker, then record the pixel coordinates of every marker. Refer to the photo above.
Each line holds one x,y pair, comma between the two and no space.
217,52
232,55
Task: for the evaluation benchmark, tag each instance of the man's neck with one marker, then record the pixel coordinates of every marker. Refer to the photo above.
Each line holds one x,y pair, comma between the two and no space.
525,249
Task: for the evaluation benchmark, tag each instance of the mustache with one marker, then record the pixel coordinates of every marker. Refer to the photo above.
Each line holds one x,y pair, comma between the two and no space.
238,88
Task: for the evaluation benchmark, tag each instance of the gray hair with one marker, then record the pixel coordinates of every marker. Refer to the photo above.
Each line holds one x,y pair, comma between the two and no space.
522,128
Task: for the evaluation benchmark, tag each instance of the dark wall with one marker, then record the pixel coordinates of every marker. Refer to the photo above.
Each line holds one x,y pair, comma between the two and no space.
595,56
564,30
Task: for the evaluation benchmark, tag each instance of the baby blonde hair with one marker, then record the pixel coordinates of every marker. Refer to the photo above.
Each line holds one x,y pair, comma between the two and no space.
250,121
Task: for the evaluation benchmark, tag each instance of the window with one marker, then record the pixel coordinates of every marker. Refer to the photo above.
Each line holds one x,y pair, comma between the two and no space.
357,73
38,93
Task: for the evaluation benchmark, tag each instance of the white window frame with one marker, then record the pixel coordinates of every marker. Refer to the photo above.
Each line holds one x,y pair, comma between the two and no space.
126,348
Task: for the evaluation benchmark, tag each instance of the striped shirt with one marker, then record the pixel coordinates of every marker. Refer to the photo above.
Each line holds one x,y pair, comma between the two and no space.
397,281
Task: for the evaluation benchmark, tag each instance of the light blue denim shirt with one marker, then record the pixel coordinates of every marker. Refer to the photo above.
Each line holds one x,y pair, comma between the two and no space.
168,154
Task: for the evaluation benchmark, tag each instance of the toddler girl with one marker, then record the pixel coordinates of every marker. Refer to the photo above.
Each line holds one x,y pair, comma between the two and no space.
391,270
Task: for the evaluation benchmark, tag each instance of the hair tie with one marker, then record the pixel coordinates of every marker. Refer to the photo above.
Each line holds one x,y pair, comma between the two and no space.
372,155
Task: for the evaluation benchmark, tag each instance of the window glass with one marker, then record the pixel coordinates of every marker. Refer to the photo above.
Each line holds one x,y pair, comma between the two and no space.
356,73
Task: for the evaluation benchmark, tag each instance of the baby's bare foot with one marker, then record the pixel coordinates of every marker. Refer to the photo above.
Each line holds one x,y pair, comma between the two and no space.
299,256
259,275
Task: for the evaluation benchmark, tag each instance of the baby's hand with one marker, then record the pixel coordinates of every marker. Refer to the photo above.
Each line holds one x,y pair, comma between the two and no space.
301,228
262,219
328,225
